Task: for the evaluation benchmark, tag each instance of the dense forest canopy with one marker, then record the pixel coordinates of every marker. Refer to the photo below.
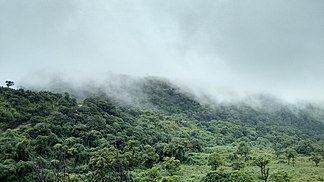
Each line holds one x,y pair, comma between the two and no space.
167,132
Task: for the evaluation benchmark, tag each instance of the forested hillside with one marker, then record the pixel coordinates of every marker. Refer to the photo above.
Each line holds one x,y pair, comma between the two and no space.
166,135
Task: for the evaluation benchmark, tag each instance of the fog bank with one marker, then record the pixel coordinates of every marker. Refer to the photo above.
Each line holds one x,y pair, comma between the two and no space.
223,48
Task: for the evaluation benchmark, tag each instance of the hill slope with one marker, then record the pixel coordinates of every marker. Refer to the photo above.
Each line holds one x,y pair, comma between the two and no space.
48,136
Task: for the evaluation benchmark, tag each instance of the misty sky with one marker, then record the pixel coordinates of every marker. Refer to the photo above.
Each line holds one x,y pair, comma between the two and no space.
220,46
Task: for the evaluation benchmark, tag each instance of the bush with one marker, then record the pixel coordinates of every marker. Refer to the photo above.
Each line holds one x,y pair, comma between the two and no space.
280,176
233,176
215,161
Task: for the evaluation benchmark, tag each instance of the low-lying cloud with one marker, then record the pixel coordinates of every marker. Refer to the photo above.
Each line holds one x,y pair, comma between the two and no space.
221,47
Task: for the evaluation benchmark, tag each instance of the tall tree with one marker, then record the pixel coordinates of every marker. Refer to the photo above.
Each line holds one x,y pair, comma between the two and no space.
9,83
262,163
291,155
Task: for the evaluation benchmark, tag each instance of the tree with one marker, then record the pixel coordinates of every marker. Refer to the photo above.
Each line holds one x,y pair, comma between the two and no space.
241,176
233,176
217,176
280,176
106,163
238,165
171,164
305,148
291,155
316,159
262,163
150,175
8,171
278,150
9,83
215,161
132,152
321,151
243,149
149,157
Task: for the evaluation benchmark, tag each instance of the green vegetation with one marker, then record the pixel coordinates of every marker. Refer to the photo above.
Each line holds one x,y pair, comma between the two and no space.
280,176
168,136
262,163
215,161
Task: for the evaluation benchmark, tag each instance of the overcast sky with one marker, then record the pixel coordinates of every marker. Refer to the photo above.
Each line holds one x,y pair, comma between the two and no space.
221,46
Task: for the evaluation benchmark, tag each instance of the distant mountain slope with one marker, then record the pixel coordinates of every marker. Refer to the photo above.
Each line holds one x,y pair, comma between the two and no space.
160,94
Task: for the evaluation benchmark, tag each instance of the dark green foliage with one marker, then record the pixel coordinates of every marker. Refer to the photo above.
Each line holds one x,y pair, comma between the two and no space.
19,106
8,170
305,147
9,83
149,157
217,176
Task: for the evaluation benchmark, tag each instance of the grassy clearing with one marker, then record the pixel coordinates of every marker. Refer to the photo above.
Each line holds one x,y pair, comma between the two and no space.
303,171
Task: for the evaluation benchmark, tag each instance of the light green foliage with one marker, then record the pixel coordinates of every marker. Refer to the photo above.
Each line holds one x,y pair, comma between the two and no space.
316,158
262,162
149,175
240,176
280,176
215,161
171,164
103,163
